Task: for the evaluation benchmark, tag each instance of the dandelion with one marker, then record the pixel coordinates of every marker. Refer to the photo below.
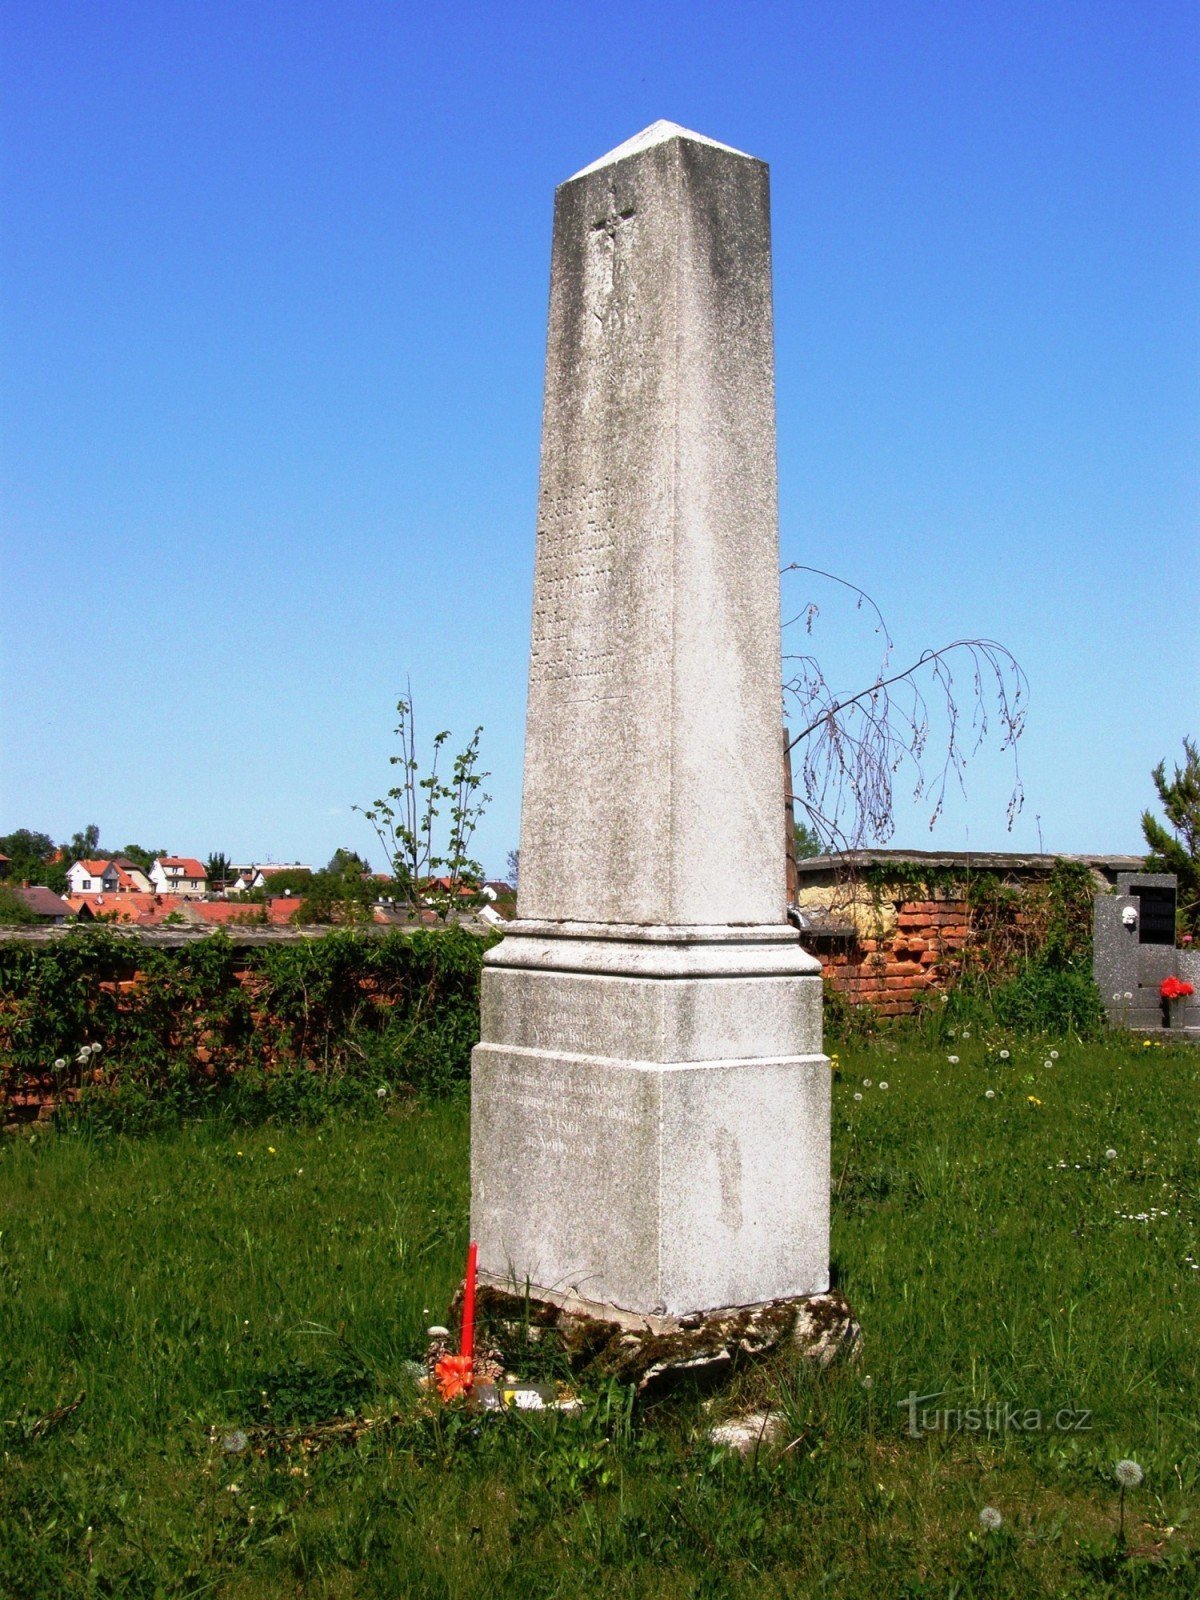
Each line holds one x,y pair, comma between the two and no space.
966,1033
857,1096
95,1049
1128,1475
866,1083
989,1094
438,1332
233,1488
1033,1100
1004,1055
271,1150
990,1519
59,1064
953,1060
868,1382
1145,1044
381,1092
234,1443
1047,1062
1110,1155
1054,1055
1128,994
883,1085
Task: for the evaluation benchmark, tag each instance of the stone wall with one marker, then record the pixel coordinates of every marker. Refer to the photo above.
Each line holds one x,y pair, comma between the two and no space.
916,951
891,944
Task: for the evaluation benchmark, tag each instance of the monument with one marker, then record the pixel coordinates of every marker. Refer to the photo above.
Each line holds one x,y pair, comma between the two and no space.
650,1101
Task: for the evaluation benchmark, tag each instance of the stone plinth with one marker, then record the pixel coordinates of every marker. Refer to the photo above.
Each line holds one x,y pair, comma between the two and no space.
650,1104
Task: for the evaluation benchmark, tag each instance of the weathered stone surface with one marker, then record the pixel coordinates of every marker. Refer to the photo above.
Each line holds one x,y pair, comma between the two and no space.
676,1186
657,1352
650,1105
652,788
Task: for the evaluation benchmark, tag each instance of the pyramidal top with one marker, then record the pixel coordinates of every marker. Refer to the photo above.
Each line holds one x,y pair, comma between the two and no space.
657,133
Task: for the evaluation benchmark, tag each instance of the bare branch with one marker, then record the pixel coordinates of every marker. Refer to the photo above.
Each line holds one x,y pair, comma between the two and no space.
853,746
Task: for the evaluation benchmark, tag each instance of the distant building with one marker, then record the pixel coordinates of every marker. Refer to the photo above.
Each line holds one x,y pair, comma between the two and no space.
133,878
44,903
258,876
178,875
5,864
92,877
116,876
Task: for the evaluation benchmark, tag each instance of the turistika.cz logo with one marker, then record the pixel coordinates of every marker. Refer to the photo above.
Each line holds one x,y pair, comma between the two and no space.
993,1417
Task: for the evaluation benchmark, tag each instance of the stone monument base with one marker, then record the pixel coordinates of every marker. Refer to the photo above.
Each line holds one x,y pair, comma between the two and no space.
654,1353
650,1117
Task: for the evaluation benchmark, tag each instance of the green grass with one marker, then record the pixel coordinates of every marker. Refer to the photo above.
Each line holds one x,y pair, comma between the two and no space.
210,1278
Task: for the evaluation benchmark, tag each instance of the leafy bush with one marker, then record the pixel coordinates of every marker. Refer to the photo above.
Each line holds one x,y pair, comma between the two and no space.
275,1029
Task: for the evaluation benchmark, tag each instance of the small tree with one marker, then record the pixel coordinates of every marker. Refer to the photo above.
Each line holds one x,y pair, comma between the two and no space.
1178,851
405,821
216,869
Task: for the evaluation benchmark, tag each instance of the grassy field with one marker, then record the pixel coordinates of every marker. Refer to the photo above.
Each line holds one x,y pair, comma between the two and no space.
1018,1234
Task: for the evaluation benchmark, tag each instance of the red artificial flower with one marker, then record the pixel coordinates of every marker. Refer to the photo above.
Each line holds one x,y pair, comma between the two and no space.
1173,988
455,1375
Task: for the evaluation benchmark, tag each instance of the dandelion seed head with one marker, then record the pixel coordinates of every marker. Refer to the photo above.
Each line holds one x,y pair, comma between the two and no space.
857,1096
1004,1055
234,1443
1110,1155
989,1094
883,1085
1128,1474
953,1060
990,1519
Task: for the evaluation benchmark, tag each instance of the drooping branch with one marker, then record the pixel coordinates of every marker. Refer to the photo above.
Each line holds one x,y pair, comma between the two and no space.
852,747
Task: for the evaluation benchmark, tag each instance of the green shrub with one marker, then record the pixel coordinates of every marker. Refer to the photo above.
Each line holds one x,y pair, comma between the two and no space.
277,1030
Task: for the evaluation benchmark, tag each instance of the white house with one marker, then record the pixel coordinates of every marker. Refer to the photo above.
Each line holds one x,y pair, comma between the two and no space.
178,875
93,877
257,877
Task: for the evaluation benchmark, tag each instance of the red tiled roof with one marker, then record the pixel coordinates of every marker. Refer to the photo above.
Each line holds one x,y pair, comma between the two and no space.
189,867
146,910
95,868
220,912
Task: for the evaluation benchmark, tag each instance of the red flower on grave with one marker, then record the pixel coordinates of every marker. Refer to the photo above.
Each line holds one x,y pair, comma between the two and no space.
454,1375
1173,988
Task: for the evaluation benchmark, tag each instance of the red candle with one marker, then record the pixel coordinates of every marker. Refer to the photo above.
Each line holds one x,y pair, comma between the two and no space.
468,1315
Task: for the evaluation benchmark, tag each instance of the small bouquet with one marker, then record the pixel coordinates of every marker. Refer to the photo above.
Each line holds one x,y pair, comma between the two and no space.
1174,988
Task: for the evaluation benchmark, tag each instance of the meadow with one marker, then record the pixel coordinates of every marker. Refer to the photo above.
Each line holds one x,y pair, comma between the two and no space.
1016,1228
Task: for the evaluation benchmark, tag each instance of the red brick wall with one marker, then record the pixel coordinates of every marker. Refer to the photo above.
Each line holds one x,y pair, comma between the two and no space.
919,955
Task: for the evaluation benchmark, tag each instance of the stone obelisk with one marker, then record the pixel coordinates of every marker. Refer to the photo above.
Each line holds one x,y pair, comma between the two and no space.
650,1104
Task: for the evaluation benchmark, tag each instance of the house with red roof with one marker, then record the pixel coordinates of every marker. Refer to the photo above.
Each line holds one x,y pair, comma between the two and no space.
116,876
92,877
142,910
179,875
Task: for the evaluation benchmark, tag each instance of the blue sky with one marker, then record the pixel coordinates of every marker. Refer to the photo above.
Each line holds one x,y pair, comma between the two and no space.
274,286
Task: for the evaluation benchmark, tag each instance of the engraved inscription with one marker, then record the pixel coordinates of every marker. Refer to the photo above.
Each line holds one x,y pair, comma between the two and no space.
557,1109
574,620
